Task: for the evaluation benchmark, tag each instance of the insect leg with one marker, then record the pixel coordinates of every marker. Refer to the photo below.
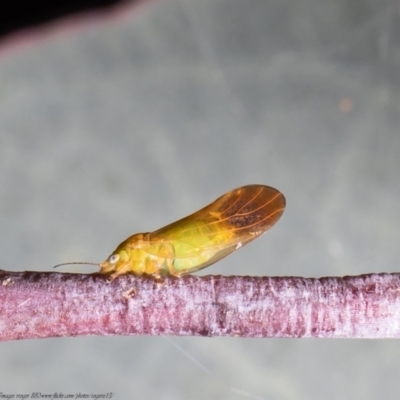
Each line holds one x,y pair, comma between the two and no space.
152,267
120,271
167,252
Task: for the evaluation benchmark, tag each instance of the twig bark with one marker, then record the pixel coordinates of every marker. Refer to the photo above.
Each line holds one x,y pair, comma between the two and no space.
42,305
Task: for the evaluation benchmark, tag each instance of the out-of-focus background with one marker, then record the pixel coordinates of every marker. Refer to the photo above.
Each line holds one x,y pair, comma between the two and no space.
113,126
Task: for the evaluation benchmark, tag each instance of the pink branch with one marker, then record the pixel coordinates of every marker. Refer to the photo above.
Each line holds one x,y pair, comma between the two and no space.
41,305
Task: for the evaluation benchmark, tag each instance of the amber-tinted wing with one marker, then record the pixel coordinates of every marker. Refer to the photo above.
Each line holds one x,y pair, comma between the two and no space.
231,221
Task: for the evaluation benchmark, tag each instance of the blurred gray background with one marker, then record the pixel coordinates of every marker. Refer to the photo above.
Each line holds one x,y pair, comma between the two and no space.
130,123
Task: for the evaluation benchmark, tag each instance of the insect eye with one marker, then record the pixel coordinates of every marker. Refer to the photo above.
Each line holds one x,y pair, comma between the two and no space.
113,258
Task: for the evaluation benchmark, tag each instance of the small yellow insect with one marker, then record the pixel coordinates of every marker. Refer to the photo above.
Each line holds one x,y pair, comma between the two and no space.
200,239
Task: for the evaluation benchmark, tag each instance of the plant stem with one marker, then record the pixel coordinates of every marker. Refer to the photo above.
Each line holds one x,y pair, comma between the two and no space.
42,305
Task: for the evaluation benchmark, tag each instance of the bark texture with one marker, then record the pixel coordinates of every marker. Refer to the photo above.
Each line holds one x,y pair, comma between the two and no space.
42,305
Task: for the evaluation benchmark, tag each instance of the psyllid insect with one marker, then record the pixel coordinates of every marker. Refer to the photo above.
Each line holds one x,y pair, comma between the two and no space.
200,239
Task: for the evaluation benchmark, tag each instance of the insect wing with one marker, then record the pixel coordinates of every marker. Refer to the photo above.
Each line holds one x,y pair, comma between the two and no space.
231,221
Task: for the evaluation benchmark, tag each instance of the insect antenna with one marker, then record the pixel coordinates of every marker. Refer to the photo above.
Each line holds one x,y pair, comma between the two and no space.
77,262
